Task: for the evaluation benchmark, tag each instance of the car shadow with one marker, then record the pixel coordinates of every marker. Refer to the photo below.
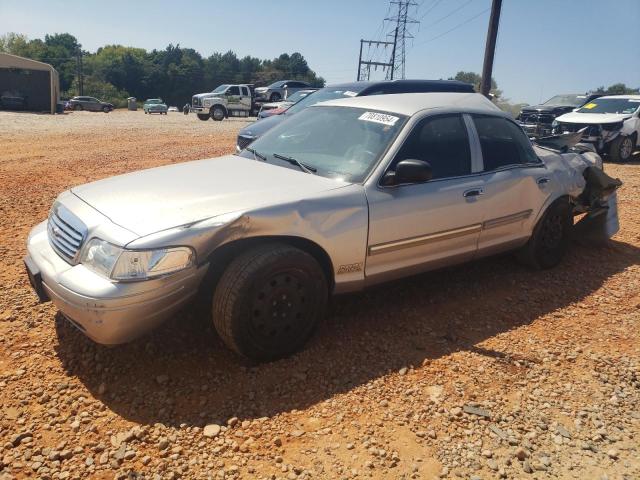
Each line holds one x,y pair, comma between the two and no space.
183,374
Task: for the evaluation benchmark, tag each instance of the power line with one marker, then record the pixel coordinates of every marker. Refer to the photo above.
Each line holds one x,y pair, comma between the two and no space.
450,13
433,5
469,20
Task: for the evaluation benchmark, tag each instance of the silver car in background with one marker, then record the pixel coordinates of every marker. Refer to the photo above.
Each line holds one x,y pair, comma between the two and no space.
408,183
279,90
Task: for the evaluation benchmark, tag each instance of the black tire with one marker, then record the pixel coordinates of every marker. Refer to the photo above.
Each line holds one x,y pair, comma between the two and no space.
106,109
622,148
269,301
78,108
275,97
202,117
217,113
551,237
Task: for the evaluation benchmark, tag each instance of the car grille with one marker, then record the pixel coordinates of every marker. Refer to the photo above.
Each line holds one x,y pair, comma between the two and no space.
195,101
591,130
66,233
243,142
537,118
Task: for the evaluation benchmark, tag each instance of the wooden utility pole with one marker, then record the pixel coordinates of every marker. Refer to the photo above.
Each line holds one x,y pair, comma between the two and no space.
490,48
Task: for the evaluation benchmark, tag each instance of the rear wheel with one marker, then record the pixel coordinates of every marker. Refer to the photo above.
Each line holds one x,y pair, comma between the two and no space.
202,117
621,149
550,240
269,300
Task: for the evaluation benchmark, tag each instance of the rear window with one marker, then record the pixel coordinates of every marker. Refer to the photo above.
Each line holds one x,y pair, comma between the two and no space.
503,143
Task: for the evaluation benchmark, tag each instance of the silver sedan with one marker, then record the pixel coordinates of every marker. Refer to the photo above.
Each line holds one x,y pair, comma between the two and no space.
348,194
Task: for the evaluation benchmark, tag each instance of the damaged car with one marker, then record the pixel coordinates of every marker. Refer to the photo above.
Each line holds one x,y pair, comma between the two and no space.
408,183
537,120
610,124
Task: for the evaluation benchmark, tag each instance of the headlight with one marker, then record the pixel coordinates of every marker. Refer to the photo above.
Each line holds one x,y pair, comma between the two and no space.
554,124
121,264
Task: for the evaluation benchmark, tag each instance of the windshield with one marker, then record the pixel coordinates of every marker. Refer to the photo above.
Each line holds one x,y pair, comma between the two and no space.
296,97
338,142
154,100
323,95
611,105
220,89
568,100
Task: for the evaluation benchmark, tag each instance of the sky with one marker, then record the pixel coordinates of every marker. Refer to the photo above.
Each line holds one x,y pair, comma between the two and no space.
544,47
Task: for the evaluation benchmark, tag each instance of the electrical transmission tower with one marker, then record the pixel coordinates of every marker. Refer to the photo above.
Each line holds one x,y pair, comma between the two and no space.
395,66
400,35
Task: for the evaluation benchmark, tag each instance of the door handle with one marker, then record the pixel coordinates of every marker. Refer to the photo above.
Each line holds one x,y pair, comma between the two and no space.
542,181
474,192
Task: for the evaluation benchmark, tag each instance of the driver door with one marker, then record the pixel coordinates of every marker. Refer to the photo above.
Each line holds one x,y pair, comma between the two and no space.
418,227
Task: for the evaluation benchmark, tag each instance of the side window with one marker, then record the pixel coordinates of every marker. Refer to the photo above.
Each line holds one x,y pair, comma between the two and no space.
443,142
245,91
503,143
233,90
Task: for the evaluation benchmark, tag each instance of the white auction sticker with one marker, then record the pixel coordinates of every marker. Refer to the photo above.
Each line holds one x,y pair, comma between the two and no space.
382,118
349,93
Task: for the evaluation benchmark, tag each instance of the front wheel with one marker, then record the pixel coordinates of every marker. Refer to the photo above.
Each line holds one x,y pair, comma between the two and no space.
275,97
217,113
621,149
77,108
204,118
269,300
106,109
550,240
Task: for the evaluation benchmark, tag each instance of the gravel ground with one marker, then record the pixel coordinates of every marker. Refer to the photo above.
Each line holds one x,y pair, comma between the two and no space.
483,371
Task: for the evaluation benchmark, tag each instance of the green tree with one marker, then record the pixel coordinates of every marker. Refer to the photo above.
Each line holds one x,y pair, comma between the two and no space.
475,80
617,89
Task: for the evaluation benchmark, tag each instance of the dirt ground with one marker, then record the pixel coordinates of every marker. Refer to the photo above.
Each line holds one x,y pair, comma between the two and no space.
483,371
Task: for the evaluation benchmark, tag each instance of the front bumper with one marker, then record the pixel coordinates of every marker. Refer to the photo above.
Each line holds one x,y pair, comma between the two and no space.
200,110
536,129
108,312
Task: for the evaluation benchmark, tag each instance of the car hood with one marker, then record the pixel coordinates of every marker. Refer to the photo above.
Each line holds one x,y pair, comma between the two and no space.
547,108
593,118
160,198
259,128
261,89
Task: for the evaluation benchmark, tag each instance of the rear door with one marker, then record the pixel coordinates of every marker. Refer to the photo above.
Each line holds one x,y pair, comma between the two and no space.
515,183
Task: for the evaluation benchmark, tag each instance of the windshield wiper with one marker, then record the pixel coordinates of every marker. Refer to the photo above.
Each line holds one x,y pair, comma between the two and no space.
303,166
256,154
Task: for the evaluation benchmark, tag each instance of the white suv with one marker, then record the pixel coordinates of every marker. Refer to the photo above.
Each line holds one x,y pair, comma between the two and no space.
612,125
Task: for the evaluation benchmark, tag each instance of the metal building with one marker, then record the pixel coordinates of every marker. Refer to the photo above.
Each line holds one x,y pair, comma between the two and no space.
29,85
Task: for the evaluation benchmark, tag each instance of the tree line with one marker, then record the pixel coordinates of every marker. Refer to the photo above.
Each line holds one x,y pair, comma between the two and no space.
115,72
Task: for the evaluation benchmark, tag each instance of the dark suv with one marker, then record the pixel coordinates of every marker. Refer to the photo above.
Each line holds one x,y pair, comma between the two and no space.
536,120
89,103
354,89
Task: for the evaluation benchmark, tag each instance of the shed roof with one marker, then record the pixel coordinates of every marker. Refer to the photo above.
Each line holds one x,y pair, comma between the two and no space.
13,61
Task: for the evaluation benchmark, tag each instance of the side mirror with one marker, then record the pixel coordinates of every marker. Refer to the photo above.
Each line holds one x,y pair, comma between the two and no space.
408,171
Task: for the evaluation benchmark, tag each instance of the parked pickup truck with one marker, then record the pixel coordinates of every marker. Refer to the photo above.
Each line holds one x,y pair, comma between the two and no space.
223,102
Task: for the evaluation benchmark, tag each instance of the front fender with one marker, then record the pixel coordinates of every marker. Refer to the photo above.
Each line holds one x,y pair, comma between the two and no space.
336,221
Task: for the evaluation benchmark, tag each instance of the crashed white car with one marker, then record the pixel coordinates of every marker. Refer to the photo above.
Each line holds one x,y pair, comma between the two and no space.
344,195
611,124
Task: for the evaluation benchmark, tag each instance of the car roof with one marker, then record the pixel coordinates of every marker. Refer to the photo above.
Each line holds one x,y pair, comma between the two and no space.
412,103
404,86
624,97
